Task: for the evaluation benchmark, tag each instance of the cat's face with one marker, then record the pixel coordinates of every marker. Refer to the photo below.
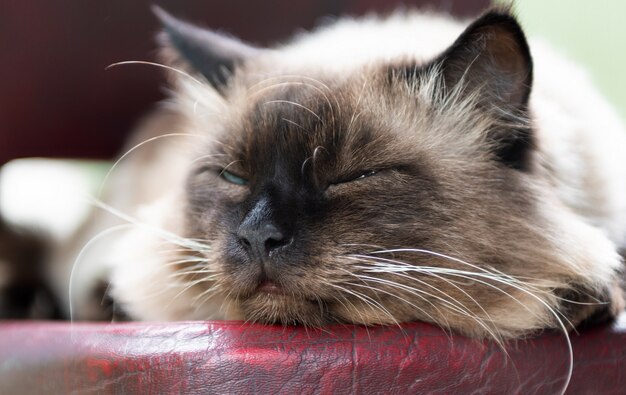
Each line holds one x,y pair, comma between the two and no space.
301,197
390,195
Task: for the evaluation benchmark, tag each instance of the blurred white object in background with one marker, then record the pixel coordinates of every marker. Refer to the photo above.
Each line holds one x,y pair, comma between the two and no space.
52,195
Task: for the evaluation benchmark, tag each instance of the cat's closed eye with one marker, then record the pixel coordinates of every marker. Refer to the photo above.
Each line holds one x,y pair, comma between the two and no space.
232,178
355,177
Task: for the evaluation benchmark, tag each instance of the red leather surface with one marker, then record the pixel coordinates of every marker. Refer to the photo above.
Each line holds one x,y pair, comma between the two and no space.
231,357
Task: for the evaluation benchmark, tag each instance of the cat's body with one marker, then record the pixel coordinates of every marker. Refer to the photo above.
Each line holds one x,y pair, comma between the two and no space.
358,175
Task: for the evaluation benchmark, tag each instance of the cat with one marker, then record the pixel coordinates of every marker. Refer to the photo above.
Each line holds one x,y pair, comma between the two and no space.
380,170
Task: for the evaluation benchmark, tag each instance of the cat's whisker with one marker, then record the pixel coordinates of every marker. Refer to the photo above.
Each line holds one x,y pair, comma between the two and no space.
452,304
186,273
79,257
173,257
397,266
303,83
430,273
198,302
320,91
367,300
485,274
188,285
297,105
367,284
296,124
429,270
189,259
228,297
203,157
460,261
155,64
197,266
166,235
227,166
315,154
445,325
296,79
356,106
133,149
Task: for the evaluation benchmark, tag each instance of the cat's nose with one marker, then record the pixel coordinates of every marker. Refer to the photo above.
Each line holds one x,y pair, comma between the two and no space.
262,239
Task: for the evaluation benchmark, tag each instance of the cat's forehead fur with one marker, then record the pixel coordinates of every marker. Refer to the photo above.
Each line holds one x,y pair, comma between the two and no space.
374,119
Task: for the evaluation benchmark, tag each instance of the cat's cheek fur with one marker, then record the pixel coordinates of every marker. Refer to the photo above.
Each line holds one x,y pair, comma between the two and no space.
589,260
145,273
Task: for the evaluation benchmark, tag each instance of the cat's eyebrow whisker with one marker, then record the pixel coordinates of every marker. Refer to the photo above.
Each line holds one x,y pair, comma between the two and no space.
307,84
278,101
303,83
295,79
227,166
304,164
296,124
148,63
203,157
314,157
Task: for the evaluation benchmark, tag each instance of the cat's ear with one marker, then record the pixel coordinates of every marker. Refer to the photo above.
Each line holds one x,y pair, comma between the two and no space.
212,54
491,55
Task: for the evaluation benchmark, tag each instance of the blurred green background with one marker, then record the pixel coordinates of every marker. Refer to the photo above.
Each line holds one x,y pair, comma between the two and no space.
590,32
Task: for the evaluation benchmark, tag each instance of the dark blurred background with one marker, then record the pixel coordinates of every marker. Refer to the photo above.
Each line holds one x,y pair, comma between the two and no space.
57,100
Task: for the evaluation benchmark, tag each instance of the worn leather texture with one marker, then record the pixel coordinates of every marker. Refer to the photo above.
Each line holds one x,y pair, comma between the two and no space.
232,357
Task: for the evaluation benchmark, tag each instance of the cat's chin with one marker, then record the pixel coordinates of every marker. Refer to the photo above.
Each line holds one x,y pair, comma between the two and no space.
283,308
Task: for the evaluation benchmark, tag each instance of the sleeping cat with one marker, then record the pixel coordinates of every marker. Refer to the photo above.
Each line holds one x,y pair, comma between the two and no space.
374,171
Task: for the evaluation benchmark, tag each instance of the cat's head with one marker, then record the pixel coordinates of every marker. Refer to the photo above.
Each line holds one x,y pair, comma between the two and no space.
381,192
